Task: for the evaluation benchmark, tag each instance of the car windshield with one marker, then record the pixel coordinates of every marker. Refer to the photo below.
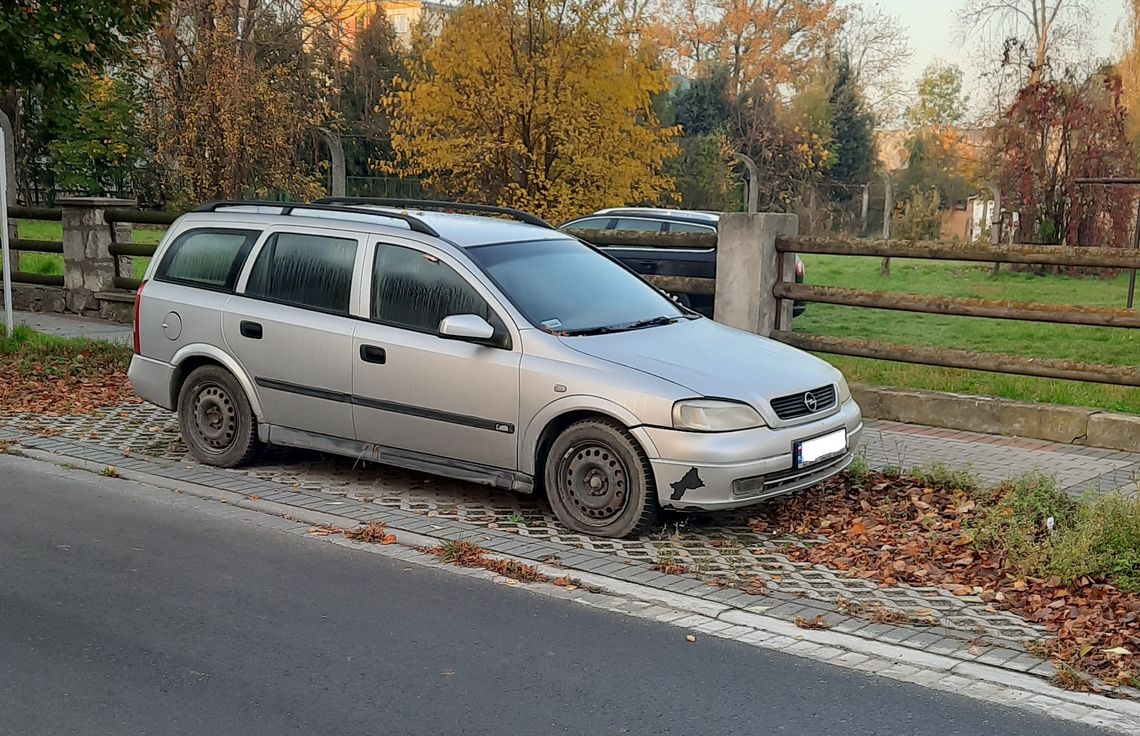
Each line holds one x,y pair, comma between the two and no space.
566,287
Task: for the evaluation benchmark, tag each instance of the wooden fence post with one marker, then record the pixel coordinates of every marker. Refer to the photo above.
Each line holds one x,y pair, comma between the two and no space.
747,268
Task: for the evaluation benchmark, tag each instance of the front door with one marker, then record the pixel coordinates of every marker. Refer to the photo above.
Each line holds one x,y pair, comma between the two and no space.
414,390
291,331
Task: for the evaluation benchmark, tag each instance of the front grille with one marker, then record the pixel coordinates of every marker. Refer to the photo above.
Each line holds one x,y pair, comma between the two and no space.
800,405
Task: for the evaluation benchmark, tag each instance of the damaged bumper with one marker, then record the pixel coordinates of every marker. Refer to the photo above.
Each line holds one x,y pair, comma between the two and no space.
708,472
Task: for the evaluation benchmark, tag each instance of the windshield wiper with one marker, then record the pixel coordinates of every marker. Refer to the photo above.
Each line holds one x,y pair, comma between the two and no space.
651,322
638,325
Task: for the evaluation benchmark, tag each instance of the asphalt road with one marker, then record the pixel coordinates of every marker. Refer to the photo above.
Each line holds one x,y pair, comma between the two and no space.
127,610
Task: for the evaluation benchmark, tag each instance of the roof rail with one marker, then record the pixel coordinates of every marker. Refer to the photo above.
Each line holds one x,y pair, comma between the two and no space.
287,208
432,204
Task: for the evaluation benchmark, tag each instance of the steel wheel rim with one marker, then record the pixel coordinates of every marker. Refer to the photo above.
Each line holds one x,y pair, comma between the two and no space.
593,482
215,418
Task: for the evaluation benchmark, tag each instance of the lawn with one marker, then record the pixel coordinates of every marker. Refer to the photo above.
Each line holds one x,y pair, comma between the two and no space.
1114,346
50,263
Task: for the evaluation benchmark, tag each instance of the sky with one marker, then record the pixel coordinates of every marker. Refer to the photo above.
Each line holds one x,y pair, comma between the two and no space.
935,33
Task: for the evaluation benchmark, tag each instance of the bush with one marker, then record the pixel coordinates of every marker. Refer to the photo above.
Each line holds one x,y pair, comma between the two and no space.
1021,517
1104,541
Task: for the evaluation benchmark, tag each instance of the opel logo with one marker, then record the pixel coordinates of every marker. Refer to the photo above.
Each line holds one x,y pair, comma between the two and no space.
810,401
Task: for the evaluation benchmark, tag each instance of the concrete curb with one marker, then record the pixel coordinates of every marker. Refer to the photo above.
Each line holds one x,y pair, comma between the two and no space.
946,673
1050,422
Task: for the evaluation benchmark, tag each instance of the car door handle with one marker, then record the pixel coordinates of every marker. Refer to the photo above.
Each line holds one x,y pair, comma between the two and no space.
252,330
373,354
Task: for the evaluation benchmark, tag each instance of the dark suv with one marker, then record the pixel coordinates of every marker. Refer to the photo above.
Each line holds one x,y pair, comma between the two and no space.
663,261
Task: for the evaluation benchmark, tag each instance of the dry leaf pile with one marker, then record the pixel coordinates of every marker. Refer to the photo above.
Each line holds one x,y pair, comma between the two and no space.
894,529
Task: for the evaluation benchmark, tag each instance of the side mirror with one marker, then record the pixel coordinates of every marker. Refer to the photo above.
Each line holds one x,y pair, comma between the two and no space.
467,327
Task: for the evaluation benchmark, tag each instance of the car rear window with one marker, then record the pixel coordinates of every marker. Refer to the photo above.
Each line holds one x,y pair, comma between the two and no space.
303,270
209,258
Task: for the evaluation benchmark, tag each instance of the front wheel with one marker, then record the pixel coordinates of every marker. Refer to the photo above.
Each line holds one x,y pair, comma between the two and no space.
216,419
599,481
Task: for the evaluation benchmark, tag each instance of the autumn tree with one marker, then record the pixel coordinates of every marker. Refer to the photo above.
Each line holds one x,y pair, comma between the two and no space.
1055,133
228,104
771,40
939,101
533,105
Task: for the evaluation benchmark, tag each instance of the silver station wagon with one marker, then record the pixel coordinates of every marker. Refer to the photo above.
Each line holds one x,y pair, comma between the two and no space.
493,350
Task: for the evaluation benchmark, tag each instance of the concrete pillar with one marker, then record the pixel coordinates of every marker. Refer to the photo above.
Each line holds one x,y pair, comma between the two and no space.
9,175
88,266
746,268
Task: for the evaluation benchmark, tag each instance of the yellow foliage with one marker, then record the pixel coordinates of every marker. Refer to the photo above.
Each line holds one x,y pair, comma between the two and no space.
533,106
224,124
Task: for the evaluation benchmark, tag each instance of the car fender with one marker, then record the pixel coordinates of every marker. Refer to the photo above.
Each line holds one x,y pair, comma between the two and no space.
565,405
229,363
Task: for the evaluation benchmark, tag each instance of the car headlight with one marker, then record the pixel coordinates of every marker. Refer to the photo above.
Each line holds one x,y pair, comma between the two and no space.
844,390
714,415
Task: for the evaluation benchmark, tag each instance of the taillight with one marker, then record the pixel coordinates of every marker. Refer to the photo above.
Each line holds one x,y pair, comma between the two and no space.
138,302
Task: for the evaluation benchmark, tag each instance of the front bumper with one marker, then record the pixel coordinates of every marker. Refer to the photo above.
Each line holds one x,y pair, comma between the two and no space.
734,469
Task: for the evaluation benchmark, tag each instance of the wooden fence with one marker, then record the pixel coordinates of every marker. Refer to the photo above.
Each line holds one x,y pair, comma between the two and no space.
783,290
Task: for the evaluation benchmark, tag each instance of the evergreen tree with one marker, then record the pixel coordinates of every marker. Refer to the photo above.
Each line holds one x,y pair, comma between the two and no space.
851,133
375,62
703,107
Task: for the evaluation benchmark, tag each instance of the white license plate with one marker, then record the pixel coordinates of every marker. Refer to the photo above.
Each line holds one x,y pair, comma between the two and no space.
821,448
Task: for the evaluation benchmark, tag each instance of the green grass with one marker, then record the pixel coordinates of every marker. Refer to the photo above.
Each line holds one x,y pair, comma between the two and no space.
1112,346
48,263
29,351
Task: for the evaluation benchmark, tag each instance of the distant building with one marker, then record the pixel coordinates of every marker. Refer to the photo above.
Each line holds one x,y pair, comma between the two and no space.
344,19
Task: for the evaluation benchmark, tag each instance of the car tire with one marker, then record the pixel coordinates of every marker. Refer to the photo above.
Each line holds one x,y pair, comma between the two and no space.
599,481
216,420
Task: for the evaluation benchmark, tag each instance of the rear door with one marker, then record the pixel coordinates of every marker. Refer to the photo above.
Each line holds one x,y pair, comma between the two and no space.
290,327
414,390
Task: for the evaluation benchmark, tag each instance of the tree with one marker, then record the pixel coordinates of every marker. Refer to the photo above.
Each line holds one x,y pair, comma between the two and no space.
1129,69
1057,132
533,105
705,173
878,49
231,101
939,102
1039,28
703,107
97,147
771,40
47,52
852,132
374,63
54,44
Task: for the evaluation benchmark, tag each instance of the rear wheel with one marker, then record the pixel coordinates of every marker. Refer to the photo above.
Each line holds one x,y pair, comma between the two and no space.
599,481
216,419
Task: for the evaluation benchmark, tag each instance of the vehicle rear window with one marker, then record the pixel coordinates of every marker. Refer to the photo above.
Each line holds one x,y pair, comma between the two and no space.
638,224
415,290
302,270
688,227
210,258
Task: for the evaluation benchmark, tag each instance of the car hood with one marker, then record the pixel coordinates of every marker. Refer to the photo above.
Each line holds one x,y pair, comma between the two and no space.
710,359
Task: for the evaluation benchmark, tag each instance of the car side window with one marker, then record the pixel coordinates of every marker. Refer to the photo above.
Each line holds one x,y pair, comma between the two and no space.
210,258
639,225
303,270
592,223
688,227
415,291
